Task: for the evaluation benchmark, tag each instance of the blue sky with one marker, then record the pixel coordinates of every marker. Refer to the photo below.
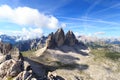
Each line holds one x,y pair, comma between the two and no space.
84,17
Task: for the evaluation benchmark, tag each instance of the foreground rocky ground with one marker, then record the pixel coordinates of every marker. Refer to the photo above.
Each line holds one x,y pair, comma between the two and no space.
72,65
12,64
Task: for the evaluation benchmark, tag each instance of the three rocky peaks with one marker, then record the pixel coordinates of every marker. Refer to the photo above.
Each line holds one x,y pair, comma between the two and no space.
59,38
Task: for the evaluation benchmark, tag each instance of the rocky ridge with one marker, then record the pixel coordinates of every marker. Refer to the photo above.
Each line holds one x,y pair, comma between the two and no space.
12,64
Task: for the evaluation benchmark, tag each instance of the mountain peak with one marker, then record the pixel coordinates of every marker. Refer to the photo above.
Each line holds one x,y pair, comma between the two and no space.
59,39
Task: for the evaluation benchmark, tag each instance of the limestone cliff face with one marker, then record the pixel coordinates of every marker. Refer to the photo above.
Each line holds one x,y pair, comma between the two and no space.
59,39
70,38
50,42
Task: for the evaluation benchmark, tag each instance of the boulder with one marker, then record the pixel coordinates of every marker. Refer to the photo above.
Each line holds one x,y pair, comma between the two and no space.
27,66
3,58
10,68
51,75
25,75
15,54
5,48
54,76
15,69
59,37
5,66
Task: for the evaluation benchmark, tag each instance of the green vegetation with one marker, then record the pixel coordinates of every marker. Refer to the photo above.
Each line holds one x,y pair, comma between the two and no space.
9,78
29,53
66,66
102,50
113,55
105,53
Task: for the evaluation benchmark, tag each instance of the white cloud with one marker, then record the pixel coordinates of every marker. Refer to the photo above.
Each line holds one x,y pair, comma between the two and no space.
99,33
31,19
77,34
25,33
26,16
63,25
1,33
30,33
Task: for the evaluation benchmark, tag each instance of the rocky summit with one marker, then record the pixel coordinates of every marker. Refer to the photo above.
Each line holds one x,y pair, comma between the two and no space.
59,39
12,64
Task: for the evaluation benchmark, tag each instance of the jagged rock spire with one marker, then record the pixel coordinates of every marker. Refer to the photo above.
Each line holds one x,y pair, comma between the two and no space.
70,38
50,43
59,39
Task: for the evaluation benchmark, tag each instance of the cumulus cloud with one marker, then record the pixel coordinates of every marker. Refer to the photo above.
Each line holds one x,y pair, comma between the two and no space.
26,34
26,16
31,33
30,20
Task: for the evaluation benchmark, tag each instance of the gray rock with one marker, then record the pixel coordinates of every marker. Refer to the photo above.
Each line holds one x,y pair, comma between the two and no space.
12,65
70,38
50,42
3,58
10,68
5,48
15,69
5,66
54,76
15,54
59,37
27,66
25,75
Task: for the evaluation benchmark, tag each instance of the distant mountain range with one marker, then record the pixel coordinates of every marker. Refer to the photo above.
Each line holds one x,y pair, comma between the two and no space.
88,39
9,39
25,45
22,44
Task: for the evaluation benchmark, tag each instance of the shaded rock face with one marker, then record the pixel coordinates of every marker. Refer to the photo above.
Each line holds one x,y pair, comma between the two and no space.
30,44
59,39
5,48
50,42
10,68
70,38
